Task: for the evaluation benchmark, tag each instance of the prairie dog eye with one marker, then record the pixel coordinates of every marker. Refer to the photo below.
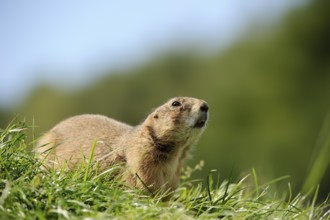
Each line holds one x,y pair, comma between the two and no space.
176,104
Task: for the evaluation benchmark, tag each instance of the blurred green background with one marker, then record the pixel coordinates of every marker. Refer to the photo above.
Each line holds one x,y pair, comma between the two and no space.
269,97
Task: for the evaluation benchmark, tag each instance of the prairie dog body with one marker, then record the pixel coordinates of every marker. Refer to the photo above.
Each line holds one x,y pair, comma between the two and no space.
155,150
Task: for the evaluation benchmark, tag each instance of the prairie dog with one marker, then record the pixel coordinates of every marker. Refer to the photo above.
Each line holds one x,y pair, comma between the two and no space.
155,150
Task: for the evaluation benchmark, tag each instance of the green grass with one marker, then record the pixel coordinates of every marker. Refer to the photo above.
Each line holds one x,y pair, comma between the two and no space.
28,192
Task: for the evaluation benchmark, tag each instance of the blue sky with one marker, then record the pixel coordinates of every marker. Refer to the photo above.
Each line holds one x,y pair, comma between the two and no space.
67,43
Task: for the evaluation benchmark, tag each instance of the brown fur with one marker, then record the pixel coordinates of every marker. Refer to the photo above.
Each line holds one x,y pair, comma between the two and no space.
154,150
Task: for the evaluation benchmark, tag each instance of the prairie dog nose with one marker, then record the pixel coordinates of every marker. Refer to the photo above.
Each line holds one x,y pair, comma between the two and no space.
204,107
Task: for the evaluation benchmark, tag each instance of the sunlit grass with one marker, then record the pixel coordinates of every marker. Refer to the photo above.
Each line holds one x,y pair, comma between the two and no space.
28,192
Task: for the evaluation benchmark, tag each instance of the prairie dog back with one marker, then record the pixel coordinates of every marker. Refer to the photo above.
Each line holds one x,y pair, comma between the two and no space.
72,139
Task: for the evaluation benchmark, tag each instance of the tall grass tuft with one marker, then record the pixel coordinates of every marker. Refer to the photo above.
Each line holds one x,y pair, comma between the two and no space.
321,159
28,192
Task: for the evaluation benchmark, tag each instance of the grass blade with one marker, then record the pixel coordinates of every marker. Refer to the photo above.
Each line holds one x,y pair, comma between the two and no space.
90,160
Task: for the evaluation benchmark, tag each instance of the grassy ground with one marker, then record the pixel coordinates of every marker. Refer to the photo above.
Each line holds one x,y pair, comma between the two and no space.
27,192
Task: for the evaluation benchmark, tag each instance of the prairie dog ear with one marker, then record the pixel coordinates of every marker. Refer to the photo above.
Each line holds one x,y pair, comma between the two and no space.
157,113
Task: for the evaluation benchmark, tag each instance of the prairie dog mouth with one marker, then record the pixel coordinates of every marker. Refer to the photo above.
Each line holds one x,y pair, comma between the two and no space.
201,121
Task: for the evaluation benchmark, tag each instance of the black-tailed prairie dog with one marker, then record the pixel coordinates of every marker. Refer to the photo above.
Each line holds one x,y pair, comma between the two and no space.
153,152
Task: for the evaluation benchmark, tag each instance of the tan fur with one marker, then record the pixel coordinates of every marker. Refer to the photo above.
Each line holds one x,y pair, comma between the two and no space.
154,150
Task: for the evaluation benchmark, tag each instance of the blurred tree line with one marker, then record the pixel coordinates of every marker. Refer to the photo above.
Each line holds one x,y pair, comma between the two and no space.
268,94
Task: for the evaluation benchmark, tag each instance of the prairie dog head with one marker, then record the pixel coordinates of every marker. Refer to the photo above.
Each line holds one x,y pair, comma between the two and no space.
180,119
